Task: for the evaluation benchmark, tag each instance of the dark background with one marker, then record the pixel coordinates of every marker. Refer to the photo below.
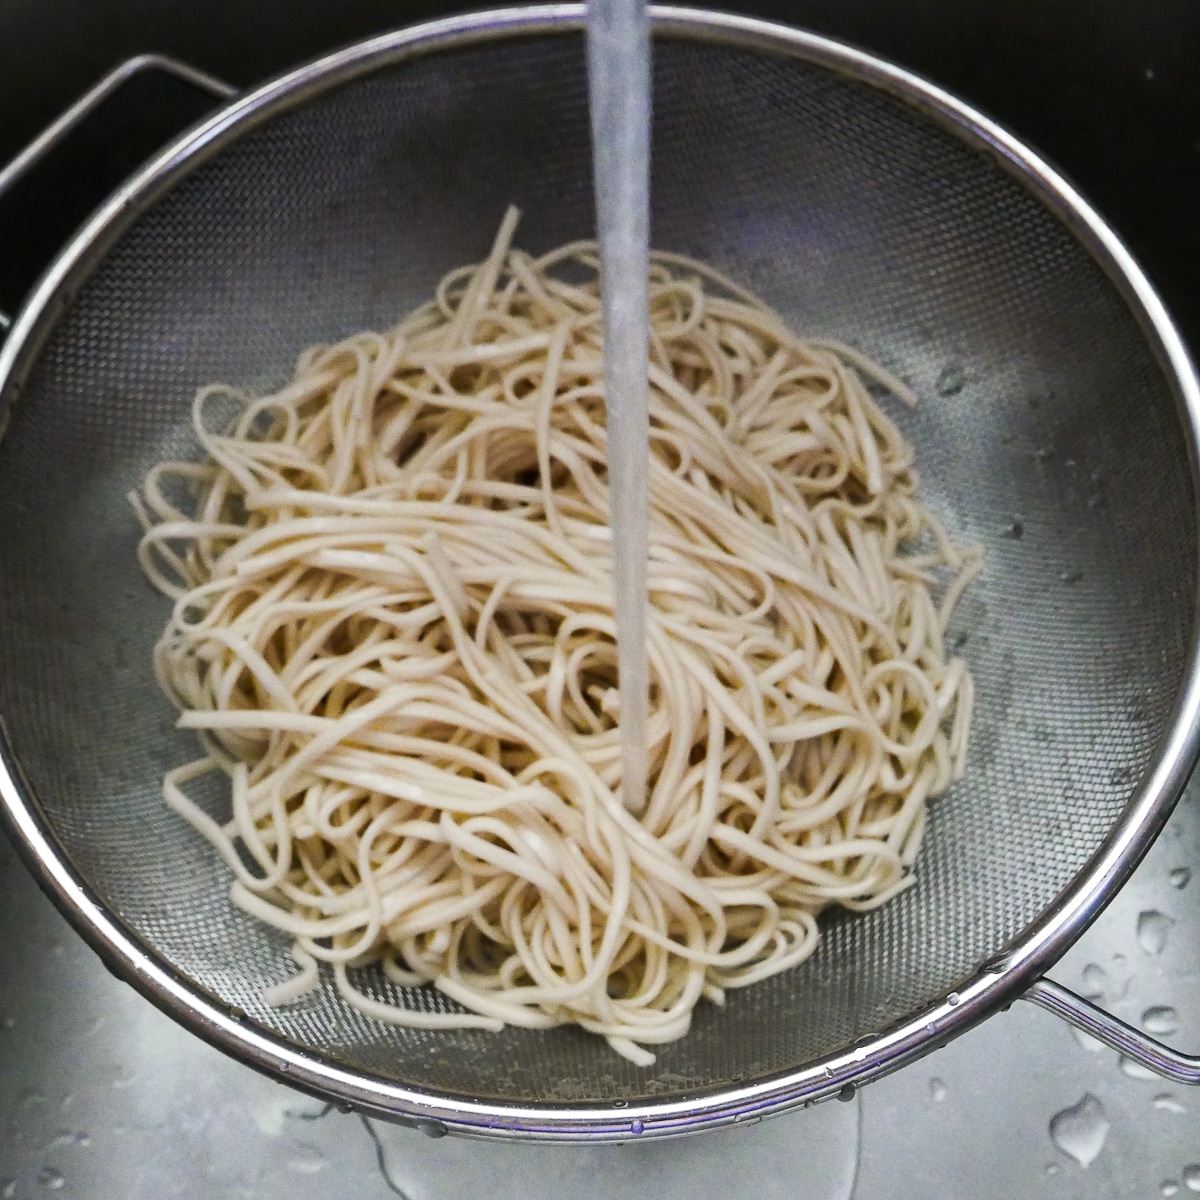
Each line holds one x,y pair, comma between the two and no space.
1109,90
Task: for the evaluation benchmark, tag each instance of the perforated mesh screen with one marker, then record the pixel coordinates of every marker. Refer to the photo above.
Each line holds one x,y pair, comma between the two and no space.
855,216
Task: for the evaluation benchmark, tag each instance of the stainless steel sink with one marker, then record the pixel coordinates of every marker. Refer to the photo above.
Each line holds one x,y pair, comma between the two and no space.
103,1097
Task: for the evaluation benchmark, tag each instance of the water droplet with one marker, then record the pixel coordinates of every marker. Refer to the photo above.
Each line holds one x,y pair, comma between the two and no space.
52,1179
268,1114
307,1108
1152,930
951,379
1191,1176
8,1188
953,999
1080,1130
637,1127
1180,877
1052,1168
1168,1187
1015,531
937,1089
1167,1103
1160,1019
67,1137
308,1162
1090,1044
9,1022
1135,1070
1069,577
930,1027
1095,981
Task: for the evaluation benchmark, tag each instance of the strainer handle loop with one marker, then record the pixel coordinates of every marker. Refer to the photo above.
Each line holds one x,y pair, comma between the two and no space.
1115,1033
71,117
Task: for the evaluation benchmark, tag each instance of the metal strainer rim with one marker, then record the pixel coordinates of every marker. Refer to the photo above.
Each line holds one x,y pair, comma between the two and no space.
994,984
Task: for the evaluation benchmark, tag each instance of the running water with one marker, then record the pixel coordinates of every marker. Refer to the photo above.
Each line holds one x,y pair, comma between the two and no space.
618,53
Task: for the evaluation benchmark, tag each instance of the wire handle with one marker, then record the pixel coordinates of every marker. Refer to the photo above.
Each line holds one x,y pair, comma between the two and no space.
76,113
1115,1033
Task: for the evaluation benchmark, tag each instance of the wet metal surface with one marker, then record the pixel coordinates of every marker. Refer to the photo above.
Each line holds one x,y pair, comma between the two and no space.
101,1096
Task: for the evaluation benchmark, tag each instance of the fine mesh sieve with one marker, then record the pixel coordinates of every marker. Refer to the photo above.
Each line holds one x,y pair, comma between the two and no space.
1056,428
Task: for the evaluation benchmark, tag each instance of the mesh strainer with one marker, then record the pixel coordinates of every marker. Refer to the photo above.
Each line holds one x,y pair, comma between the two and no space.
1058,428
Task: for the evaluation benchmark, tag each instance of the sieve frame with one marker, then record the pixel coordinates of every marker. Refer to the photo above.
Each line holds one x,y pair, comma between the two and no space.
1014,973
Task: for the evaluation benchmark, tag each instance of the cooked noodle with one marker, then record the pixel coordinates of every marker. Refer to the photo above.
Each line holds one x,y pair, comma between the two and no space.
393,631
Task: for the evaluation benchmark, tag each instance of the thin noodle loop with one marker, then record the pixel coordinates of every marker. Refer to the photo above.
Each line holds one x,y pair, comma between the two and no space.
393,630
